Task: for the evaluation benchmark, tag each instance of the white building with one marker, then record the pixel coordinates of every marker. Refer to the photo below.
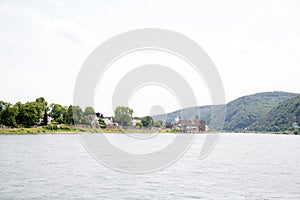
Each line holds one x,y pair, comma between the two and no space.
135,121
108,120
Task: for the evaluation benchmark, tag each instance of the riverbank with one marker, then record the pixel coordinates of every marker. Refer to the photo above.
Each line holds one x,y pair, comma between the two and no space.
69,130
64,129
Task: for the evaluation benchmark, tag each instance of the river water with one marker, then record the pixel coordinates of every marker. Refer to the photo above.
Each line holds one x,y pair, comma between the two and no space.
242,166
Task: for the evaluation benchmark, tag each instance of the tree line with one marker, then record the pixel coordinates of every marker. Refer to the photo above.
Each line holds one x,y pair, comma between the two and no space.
37,113
123,116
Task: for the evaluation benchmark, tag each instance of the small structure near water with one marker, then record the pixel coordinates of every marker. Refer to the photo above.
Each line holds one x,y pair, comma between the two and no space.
193,126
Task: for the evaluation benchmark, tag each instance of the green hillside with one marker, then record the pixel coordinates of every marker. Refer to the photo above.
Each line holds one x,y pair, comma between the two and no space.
280,118
188,113
241,112
246,110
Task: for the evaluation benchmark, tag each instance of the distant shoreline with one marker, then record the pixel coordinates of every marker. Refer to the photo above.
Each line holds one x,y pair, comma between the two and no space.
74,131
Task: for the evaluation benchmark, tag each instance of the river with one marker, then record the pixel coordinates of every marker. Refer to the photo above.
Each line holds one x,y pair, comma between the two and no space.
242,166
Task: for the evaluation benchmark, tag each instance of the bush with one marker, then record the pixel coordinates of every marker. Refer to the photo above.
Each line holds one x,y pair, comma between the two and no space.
296,132
64,127
48,127
55,127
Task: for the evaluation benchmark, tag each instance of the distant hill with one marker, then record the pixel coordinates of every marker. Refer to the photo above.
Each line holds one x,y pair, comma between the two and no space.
241,112
246,110
280,118
190,113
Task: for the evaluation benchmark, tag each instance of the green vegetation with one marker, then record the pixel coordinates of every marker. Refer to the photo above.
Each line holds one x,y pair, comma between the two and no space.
33,117
41,129
102,123
139,124
280,118
241,113
244,111
56,129
123,115
37,112
58,113
27,115
159,124
263,112
147,122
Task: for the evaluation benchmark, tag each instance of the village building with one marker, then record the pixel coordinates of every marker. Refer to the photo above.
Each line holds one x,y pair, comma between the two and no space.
135,121
190,126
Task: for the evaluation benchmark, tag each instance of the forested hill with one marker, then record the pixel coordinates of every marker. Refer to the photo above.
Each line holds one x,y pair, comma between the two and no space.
281,117
241,113
246,110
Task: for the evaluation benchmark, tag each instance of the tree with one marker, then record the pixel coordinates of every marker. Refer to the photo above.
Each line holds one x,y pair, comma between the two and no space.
77,114
30,114
89,111
88,115
147,121
102,123
139,124
86,120
68,118
2,109
159,123
73,115
8,114
43,104
18,106
57,112
123,115
68,115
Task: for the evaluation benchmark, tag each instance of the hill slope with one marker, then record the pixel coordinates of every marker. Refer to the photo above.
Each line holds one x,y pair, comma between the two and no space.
241,112
189,113
246,110
280,118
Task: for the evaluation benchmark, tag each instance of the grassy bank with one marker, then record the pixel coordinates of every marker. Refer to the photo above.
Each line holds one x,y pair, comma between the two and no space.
67,129
62,129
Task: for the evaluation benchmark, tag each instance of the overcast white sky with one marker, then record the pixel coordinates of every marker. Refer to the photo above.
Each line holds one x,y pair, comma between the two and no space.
255,45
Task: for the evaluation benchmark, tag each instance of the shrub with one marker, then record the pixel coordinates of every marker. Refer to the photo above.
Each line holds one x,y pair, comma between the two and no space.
64,127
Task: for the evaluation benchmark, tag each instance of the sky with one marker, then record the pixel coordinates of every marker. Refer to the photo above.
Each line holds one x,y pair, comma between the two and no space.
255,46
